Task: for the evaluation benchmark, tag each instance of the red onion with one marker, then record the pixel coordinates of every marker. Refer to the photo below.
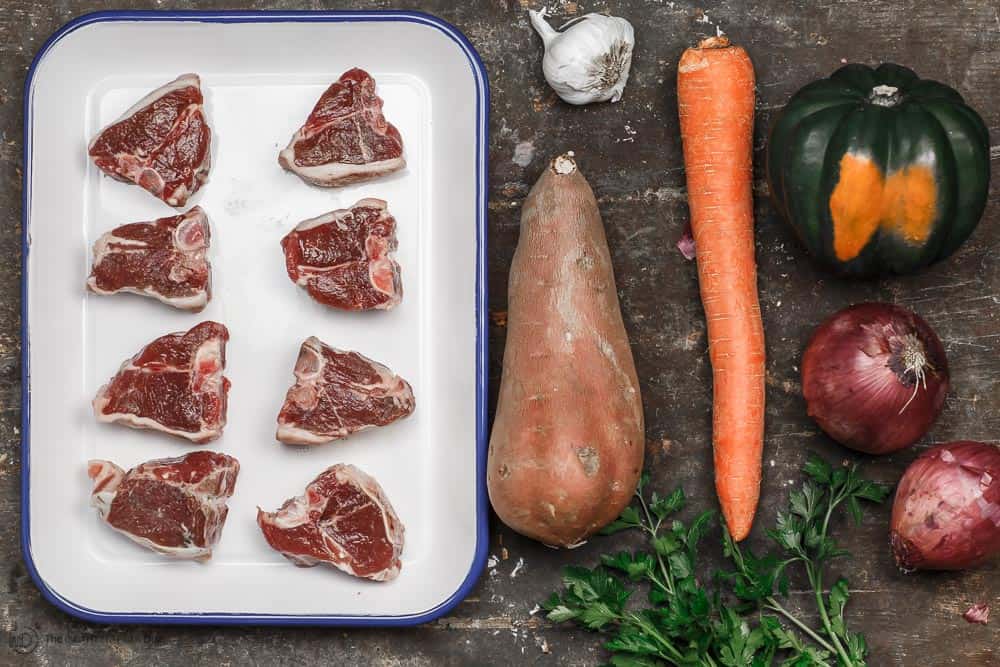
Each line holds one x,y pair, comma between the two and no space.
686,244
874,377
946,515
978,613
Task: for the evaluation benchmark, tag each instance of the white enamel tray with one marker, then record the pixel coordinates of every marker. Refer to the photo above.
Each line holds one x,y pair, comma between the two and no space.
261,74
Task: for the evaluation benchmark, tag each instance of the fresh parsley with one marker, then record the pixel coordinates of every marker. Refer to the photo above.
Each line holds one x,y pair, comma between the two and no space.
740,620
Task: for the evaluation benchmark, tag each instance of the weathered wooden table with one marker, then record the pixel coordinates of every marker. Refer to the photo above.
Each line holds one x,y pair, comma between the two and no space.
631,154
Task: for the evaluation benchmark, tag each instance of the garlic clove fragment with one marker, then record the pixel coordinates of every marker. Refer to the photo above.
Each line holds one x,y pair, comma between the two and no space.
588,59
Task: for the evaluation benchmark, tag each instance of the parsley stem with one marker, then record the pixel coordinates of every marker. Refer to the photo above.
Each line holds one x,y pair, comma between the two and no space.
815,573
661,585
829,511
651,528
672,653
816,579
776,607
834,501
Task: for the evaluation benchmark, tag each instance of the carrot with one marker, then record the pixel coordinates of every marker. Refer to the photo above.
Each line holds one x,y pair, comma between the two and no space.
715,97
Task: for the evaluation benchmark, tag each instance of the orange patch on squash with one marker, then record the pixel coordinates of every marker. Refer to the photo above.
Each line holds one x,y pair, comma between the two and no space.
864,201
855,205
909,203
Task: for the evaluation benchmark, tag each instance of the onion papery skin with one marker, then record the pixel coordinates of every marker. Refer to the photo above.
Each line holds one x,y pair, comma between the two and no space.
946,515
855,383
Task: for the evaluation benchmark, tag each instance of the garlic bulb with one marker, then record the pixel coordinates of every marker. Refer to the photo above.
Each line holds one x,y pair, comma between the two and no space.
588,59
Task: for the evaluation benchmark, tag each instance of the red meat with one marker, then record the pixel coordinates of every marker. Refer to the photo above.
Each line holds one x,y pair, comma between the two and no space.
162,143
346,139
174,385
344,258
343,519
337,393
165,259
174,506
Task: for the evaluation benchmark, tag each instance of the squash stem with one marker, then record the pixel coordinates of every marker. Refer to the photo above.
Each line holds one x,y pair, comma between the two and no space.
885,96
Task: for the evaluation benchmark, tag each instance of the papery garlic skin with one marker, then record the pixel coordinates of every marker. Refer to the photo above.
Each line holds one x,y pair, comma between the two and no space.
589,60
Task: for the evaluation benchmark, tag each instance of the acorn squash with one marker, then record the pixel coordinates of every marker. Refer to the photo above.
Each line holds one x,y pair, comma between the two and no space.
879,170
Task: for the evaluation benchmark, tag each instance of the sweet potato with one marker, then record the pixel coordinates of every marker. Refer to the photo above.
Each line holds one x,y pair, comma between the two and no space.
567,444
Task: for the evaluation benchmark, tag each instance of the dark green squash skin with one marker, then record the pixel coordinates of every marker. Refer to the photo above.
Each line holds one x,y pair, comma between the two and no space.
830,117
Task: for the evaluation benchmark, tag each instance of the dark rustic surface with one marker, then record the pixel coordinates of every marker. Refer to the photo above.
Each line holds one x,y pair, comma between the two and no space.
631,154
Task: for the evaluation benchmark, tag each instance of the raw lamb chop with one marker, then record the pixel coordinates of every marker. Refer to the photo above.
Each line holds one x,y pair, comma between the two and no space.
165,259
344,258
337,393
174,384
162,143
346,139
175,506
343,519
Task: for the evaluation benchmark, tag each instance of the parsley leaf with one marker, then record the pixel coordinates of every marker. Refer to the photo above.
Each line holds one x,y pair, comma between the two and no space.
817,469
636,566
837,599
664,507
629,519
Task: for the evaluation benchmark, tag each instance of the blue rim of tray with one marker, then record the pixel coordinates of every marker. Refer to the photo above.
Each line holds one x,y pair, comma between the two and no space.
482,149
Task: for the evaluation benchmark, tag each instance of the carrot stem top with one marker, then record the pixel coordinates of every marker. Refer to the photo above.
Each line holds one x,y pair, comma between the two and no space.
720,42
